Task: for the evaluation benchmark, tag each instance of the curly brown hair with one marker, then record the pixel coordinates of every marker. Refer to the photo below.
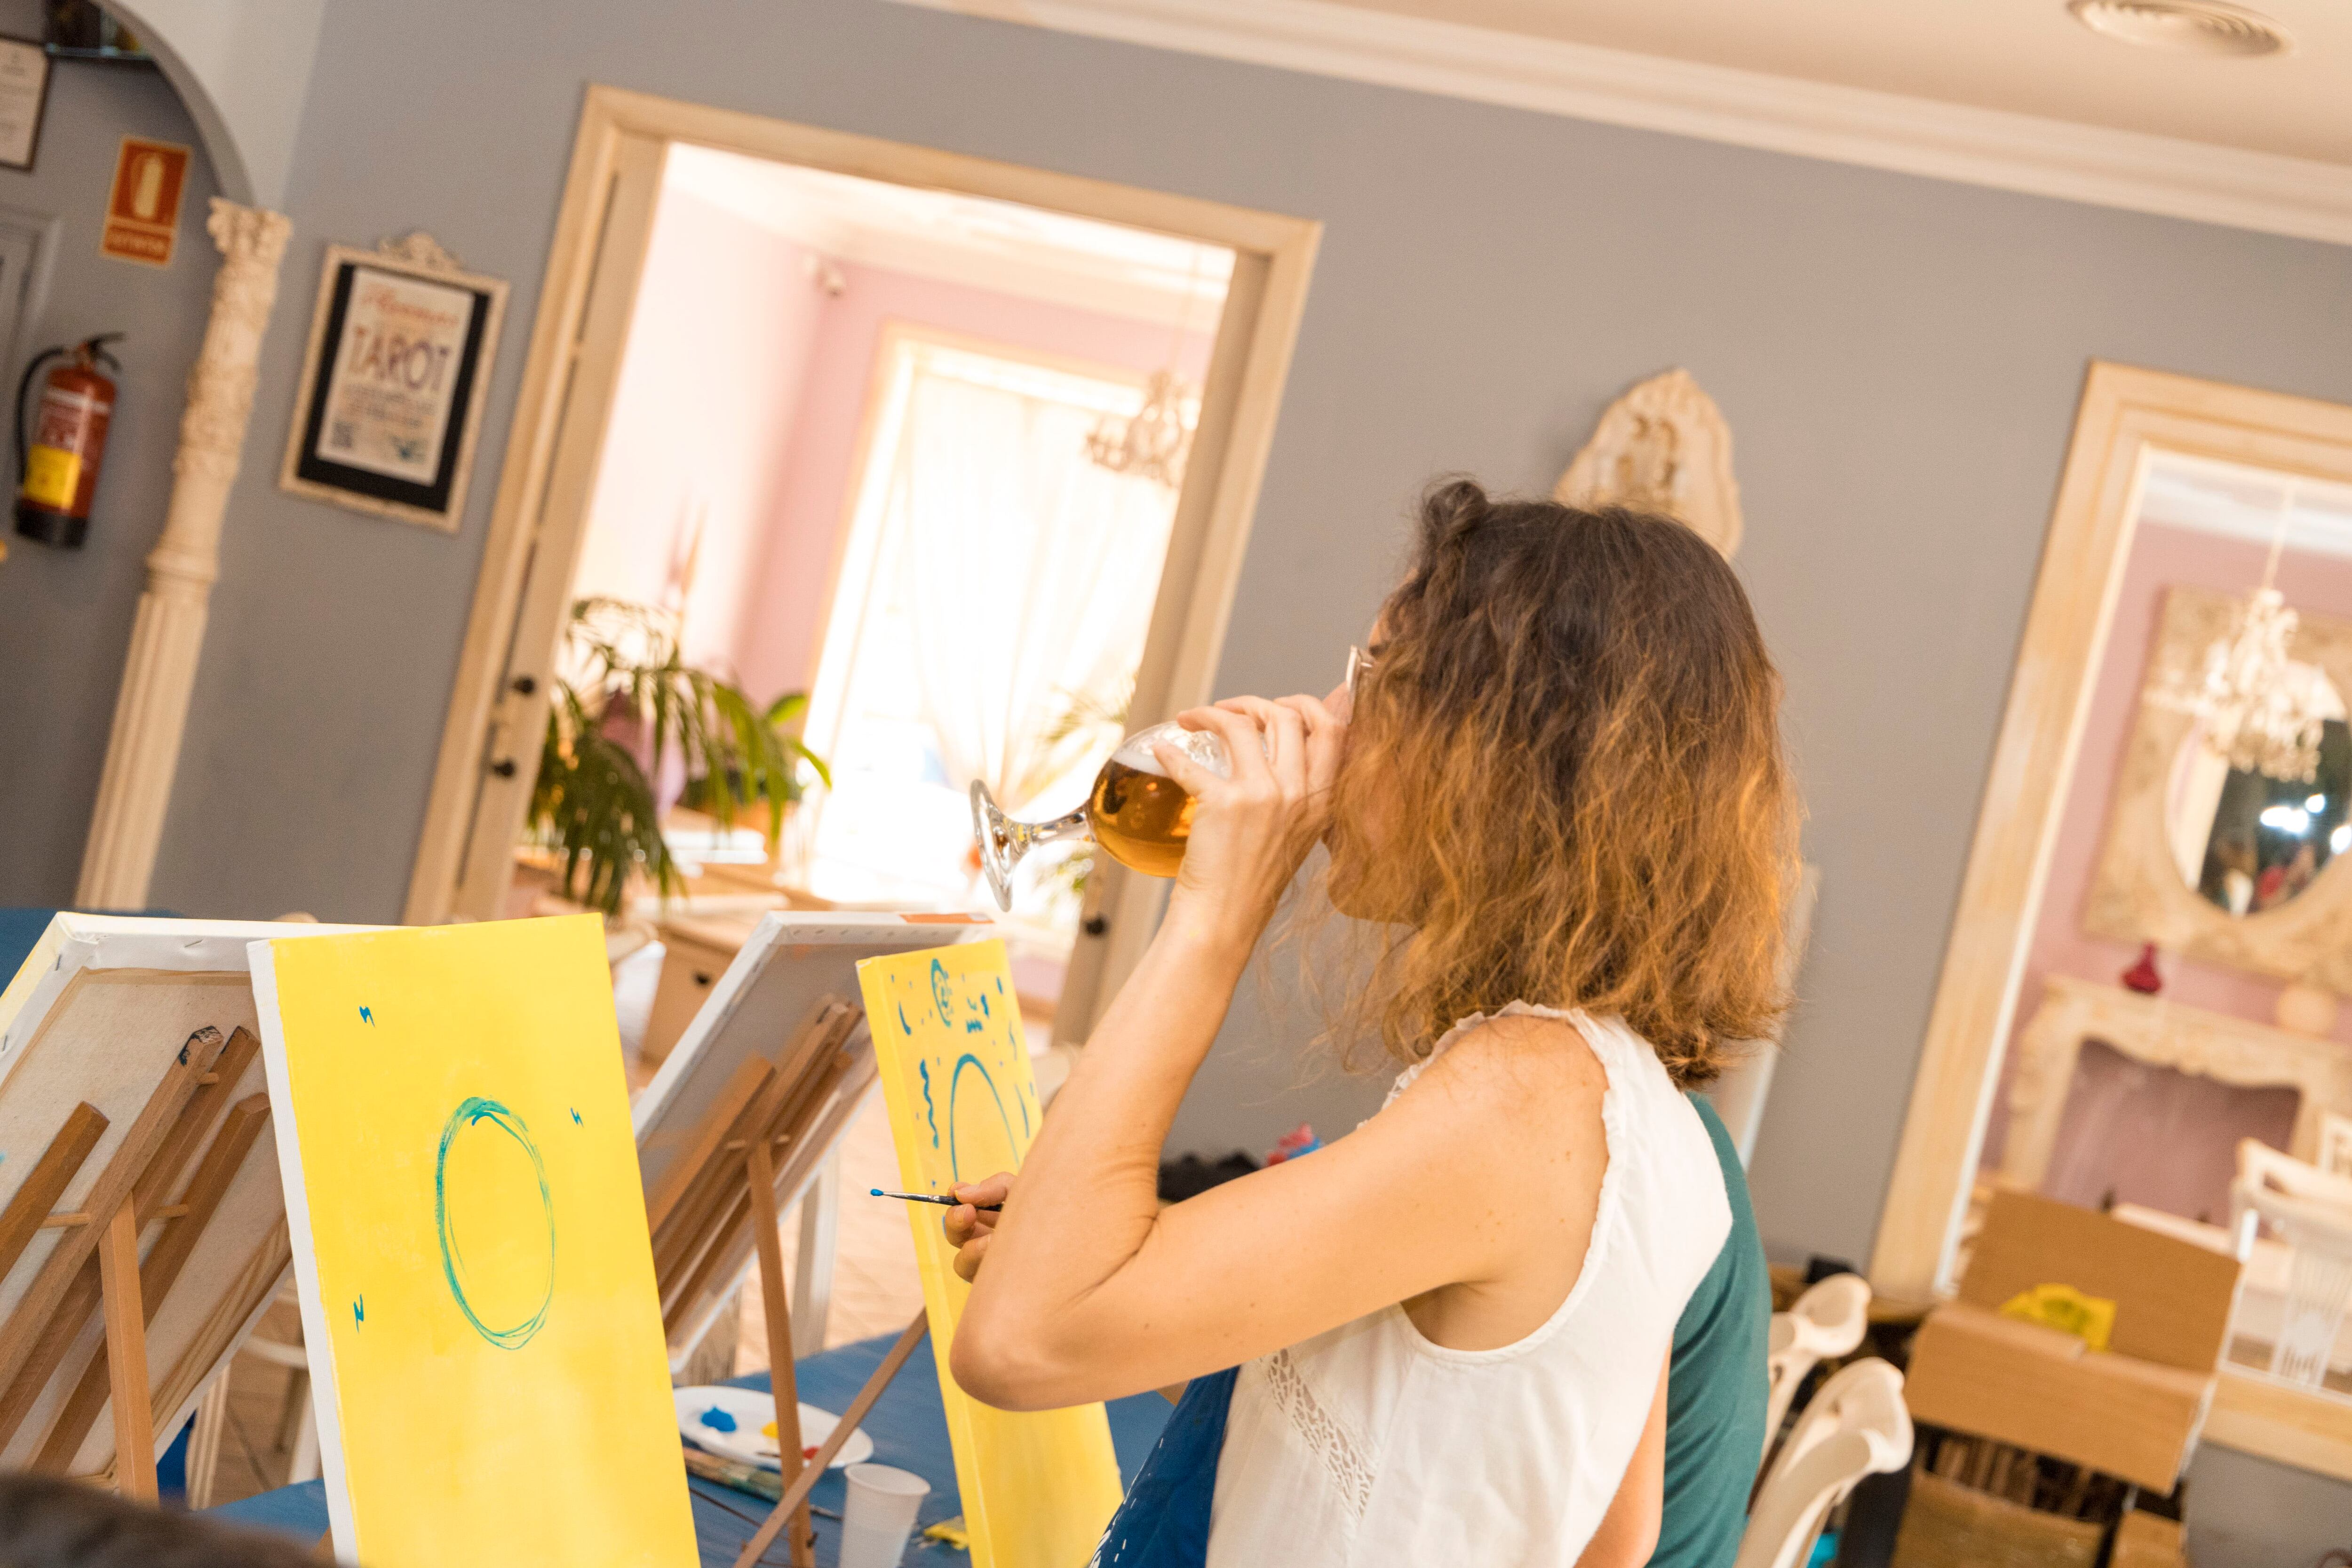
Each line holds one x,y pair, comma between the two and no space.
1574,712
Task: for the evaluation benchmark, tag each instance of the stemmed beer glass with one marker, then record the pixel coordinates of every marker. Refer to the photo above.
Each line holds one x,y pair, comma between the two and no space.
1139,816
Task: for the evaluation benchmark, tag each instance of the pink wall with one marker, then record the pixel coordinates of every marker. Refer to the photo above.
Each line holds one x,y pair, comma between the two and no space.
710,380
784,598
2161,556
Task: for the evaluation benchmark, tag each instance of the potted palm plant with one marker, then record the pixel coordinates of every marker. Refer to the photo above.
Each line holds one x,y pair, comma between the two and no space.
628,703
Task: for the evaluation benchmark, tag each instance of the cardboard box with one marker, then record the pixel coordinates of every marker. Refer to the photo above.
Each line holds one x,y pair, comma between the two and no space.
2144,1540
2132,1410
1947,1525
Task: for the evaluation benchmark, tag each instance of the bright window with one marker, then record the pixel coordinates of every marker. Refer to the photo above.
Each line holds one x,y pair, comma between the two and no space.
994,593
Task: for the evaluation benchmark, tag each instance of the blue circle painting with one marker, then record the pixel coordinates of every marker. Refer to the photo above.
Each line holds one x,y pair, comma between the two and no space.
482,1195
998,1157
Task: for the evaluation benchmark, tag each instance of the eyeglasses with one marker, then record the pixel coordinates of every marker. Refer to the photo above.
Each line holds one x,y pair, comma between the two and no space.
1359,664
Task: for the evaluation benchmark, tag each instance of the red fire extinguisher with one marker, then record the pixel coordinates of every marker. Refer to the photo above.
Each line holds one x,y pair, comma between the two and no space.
56,479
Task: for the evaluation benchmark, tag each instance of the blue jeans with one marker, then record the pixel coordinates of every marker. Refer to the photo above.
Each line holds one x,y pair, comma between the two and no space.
1164,1522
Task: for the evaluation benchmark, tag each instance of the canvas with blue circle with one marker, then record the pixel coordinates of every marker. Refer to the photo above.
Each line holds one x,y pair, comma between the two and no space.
1038,1486
470,1235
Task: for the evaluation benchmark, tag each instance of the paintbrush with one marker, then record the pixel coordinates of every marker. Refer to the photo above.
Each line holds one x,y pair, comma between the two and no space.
934,1198
754,1479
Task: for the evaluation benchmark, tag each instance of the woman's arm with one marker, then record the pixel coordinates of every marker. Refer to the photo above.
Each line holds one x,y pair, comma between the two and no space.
1091,1289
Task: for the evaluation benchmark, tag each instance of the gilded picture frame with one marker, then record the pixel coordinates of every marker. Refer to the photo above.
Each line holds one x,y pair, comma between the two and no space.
394,444
2137,893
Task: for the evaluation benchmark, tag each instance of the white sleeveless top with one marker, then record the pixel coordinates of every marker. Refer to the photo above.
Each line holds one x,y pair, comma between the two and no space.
1368,1445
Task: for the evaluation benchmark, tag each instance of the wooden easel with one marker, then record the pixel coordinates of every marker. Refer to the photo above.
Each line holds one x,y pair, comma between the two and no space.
794,1504
95,1266
726,1181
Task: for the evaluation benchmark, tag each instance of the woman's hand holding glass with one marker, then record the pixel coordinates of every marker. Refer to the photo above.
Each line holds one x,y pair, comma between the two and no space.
1251,833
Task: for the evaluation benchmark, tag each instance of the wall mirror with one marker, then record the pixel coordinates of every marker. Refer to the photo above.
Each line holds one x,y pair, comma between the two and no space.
2173,768
2228,820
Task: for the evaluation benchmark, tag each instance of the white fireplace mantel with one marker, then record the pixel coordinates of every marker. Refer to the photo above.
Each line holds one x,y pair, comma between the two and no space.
2165,1034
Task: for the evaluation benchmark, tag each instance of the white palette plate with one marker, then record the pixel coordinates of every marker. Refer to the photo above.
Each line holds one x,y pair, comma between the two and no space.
752,1413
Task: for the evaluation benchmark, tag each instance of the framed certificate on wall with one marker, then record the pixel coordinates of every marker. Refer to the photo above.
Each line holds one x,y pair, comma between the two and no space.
23,98
393,381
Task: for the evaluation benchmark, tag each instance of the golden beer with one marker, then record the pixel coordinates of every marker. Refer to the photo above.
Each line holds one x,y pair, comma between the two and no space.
1139,816
1141,819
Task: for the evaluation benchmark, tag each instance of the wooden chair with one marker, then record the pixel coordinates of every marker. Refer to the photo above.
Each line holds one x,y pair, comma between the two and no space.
1827,1322
1856,1426
2310,1210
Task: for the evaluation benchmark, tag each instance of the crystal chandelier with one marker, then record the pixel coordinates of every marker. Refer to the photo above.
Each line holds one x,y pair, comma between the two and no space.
2257,708
1153,443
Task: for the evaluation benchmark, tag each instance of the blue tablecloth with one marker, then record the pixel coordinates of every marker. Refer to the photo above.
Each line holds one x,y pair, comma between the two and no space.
907,1426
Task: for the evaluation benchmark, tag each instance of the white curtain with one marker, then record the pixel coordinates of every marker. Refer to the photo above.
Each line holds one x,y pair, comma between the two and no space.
1028,570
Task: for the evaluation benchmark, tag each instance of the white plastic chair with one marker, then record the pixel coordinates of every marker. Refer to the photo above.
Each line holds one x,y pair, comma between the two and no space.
2336,1143
1827,1321
1855,1427
2311,1211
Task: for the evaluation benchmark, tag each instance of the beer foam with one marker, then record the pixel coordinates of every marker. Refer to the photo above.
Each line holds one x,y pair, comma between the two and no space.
1202,745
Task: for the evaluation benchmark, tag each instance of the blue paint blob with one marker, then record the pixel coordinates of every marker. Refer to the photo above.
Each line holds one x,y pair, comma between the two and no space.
905,1027
366,1016
359,1309
575,1119
929,1110
472,1111
717,1420
983,1006
942,998
971,1025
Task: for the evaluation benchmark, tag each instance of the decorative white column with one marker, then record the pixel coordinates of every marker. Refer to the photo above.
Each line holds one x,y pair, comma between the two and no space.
153,707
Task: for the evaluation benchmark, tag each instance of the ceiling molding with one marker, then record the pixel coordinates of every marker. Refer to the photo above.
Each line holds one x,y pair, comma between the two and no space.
1072,262
2167,175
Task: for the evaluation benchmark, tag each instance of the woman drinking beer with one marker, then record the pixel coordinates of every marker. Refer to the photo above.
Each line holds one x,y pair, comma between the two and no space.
1554,792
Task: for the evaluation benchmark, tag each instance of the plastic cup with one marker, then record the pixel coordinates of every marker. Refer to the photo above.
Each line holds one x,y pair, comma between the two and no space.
879,1515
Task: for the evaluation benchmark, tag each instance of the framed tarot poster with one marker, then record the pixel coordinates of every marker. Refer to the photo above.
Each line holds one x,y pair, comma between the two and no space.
393,382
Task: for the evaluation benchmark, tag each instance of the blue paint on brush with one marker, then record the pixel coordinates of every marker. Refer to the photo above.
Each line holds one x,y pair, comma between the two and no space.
717,1420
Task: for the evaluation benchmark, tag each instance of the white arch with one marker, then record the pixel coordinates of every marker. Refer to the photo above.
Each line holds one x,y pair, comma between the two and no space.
243,69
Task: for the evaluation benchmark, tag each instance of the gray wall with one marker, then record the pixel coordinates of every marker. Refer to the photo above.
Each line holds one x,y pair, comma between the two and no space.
1899,358
2245,1513
65,614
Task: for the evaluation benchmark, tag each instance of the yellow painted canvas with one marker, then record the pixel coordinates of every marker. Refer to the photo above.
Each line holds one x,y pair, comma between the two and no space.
469,1235
1039,1487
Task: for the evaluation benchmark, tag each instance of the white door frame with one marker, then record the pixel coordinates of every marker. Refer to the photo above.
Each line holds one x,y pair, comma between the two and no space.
490,743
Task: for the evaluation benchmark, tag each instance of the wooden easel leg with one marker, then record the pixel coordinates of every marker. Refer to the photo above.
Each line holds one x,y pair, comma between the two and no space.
126,1357
796,1492
760,1176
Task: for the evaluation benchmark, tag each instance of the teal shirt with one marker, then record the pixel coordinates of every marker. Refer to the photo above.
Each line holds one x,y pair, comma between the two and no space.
1715,1388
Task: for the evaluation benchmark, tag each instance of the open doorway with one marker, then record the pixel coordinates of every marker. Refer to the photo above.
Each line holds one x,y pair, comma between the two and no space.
903,465
947,463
